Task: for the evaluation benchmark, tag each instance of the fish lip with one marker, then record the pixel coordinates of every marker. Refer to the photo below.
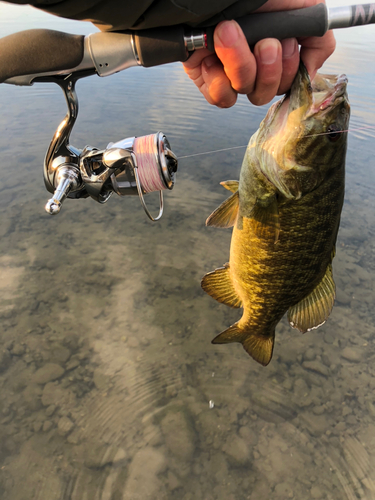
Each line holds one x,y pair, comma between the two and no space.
335,96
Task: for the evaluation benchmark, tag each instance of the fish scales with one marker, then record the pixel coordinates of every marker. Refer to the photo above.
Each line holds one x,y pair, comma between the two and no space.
286,212
276,275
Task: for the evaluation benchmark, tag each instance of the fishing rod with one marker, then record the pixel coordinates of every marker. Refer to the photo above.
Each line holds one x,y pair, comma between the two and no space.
136,165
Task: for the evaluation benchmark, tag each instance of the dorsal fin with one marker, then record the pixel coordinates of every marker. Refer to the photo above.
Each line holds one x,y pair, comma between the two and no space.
258,346
230,185
312,311
226,214
219,285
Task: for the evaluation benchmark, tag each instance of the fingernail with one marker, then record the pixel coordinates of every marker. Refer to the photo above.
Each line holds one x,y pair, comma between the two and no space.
289,46
226,34
210,60
268,51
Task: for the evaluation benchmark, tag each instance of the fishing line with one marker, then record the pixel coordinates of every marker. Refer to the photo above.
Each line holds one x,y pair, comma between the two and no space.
148,163
342,131
214,151
245,146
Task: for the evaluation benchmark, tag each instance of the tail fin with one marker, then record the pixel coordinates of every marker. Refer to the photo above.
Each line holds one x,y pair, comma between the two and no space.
259,346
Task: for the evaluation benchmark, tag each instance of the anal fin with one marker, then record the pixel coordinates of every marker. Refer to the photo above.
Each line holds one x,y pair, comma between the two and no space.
219,285
258,346
226,214
312,311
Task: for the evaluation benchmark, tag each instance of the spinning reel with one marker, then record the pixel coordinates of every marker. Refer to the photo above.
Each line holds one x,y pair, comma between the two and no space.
131,166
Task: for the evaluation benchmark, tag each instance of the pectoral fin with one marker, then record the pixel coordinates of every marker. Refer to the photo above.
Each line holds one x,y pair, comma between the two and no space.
219,285
226,214
267,218
312,311
230,185
258,346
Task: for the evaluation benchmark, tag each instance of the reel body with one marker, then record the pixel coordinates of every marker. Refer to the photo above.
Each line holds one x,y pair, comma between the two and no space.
131,166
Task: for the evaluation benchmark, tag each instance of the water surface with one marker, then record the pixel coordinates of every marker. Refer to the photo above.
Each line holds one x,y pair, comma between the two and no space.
110,387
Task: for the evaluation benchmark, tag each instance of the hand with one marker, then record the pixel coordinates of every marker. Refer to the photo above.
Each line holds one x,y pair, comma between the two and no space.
233,69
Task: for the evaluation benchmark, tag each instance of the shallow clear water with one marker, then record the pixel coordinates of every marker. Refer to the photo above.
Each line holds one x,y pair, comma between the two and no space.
135,402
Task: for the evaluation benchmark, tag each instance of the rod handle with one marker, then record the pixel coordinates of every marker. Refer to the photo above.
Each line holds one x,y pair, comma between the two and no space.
38,51
311,21
158,46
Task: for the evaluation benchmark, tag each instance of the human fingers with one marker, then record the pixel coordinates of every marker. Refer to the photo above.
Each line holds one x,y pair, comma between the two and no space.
268,55
290,64
237,59
193,66
207,72
217,87
315,51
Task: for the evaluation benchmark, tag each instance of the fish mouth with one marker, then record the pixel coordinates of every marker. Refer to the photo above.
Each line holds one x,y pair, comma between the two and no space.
333,93
299,95
323,93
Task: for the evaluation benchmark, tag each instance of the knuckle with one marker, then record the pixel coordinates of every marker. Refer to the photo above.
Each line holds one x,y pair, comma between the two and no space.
221,93
225,101
269,80
242,78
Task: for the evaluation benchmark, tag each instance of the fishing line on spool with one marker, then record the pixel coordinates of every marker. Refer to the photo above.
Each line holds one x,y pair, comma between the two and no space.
154,166
148,164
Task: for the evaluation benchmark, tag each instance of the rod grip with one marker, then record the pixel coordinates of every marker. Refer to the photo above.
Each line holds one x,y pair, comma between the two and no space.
312,21
160,45
37,51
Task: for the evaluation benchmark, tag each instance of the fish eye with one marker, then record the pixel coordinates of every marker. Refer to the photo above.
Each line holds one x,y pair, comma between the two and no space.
333,133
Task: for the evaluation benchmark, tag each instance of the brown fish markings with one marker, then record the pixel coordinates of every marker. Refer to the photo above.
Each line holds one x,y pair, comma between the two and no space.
285,210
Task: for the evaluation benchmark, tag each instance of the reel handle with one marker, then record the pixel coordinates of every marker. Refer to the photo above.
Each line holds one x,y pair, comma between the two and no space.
67,178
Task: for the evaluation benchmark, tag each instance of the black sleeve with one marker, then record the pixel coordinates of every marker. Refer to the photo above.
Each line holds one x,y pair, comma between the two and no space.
116,15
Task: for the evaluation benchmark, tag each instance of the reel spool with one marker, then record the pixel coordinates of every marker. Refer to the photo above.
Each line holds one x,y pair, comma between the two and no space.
150,167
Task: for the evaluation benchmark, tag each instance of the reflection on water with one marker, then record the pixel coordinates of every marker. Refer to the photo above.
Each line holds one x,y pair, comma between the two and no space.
110,388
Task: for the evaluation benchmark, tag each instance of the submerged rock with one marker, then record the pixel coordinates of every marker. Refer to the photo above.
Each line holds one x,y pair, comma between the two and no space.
65,425
47,426
31,397
48,373
56,395
143,483
353,354
237,451
179,435
317,367
5,359
18,350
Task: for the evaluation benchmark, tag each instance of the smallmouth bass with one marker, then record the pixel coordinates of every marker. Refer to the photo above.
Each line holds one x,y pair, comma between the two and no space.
285,212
